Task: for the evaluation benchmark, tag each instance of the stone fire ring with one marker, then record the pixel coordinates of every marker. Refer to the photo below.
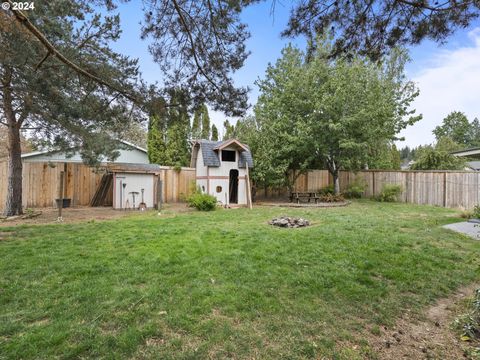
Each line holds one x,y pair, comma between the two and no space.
289,222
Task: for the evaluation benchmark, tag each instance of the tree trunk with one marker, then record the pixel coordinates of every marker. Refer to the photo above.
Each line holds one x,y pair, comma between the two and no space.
13,205
336,183
333,169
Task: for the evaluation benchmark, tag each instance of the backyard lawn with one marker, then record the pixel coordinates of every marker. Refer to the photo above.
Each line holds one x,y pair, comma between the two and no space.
225,284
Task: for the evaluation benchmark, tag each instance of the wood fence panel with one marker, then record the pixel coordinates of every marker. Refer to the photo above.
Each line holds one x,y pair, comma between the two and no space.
317,179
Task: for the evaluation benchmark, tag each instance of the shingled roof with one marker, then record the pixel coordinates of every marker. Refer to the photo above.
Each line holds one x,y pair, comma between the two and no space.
211,158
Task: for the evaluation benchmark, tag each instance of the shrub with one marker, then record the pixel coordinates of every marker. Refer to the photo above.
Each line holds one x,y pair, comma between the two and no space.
466,214
476,212
331,198
355,190
202,202
330,189
389,193
470,322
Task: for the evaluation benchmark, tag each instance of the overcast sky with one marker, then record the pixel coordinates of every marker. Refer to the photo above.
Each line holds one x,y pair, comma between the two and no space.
448,75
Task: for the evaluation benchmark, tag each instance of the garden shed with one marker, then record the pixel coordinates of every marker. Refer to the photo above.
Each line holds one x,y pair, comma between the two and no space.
222,169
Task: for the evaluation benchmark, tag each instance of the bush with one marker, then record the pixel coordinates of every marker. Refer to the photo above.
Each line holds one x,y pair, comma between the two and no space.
202,202
389,193
331,198
355,190
330,189
476,212
470,322
466,214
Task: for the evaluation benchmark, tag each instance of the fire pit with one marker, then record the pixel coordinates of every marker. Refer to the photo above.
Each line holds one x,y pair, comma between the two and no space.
289,222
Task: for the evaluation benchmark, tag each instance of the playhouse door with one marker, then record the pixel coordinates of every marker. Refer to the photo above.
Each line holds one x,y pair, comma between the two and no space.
233,186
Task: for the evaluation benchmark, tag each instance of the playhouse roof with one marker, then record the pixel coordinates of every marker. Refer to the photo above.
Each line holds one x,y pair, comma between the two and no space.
210,152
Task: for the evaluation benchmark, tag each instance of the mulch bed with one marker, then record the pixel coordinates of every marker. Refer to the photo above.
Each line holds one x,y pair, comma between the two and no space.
303,205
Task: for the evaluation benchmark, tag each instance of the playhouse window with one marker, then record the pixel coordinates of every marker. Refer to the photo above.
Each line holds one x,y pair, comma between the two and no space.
228,155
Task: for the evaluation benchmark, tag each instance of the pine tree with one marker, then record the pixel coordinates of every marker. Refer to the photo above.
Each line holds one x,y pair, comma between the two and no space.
205,123
67,110
214,133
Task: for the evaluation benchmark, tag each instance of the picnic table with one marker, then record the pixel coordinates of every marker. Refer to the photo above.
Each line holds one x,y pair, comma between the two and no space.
310,195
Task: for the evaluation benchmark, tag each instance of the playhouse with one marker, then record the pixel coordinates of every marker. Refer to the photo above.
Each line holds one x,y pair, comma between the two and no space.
221,169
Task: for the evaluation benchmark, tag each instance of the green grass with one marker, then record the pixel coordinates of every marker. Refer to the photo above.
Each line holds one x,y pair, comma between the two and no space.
225,284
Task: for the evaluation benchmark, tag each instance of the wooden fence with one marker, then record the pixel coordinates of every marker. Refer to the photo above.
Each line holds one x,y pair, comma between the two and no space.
452,189
41,183
441,188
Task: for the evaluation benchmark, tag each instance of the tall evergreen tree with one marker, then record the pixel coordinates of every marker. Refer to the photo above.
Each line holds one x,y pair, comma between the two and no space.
214,133
177,151
157,132
205,123
197,124
229,130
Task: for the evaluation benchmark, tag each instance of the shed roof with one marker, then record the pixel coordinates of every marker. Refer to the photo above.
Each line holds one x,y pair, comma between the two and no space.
210,153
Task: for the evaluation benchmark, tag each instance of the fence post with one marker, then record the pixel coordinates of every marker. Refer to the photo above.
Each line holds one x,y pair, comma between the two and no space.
445,189
373,183
159,193
60,196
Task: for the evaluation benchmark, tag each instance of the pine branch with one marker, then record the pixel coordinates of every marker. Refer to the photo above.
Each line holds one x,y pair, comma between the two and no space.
23,19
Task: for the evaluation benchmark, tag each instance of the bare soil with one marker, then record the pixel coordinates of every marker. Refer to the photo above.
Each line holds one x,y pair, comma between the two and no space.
83,214
431,337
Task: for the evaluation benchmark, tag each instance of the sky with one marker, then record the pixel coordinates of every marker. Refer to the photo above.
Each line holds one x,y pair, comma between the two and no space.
447,75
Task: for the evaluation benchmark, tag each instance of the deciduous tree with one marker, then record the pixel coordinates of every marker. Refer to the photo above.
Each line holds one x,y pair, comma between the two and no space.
456,127
438,157
316,110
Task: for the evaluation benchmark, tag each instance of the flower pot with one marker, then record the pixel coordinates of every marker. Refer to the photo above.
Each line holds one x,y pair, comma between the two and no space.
64,202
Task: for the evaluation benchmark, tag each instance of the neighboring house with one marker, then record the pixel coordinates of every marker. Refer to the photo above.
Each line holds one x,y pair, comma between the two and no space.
471,153
406,164
129,154
221,169
473,165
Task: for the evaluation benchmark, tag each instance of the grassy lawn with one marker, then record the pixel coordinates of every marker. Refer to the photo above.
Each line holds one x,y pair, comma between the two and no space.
225,284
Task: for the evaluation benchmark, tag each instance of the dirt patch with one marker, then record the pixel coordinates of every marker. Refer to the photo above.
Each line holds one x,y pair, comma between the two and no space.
431,337
85,214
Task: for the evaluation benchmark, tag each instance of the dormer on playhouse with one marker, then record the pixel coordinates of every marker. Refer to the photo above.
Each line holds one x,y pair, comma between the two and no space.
221,169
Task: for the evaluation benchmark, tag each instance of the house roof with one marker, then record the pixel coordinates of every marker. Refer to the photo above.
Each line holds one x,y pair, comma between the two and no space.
210,152
467,152
474,165
42,152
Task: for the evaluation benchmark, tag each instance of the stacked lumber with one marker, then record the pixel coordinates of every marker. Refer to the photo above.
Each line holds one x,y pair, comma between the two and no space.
101,197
